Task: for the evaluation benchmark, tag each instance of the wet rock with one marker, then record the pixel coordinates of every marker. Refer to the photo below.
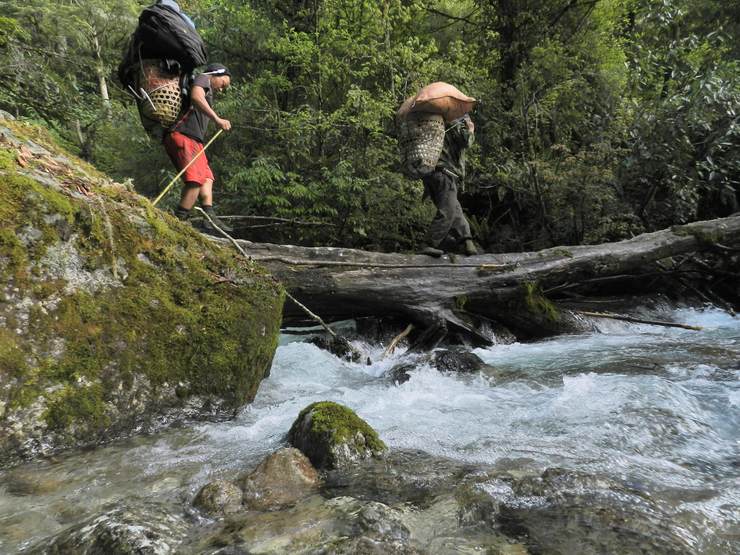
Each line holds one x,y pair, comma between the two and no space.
457,360
571,512
381,523
147,529
338,346
400,373
280,479
366,546
301,528
24,482
220,497
401,476
314,525
332,436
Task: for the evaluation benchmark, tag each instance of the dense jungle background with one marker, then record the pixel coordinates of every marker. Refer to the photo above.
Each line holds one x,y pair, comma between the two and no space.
598,120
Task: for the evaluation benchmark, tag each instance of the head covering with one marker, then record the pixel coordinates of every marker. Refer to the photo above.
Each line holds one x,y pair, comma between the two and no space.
216,70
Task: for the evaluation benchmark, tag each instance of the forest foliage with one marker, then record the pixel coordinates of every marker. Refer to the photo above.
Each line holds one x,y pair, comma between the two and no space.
598,120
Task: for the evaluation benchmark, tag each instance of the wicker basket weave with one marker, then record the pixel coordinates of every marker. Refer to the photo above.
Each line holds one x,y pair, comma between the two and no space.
420,137
164,102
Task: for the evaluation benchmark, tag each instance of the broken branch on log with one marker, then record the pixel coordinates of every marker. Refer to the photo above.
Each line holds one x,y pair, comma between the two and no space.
396,340
613,316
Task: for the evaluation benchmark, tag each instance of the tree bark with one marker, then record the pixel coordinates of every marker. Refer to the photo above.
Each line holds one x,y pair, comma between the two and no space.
453,292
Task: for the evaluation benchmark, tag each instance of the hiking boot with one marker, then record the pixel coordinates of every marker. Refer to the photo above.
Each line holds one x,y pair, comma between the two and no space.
469,247
182,214
208,226
431,251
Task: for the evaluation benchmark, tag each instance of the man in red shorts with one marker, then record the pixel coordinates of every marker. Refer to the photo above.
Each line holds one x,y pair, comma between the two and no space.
186,139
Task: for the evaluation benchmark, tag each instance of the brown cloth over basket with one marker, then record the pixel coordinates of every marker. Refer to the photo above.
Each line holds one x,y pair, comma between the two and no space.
162,99
420,138
438,98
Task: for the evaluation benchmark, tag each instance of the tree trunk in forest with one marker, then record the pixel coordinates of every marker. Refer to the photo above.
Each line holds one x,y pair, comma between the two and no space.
100,69
455,293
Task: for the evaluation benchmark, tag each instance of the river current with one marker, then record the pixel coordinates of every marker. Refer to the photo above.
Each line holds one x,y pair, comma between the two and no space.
656,408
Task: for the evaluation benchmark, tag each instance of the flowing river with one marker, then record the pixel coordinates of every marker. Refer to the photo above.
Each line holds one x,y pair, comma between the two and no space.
655,408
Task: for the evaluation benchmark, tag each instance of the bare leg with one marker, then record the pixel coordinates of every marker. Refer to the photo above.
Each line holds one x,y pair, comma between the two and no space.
189,195
206,193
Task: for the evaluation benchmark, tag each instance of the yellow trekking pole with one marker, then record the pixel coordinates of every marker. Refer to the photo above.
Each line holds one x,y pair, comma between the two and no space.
182,171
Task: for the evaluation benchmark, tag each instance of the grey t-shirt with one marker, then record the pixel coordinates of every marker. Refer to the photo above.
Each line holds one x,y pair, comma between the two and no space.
195,122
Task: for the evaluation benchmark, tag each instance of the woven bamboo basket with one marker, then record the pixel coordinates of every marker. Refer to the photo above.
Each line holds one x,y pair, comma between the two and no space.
420,138
164,102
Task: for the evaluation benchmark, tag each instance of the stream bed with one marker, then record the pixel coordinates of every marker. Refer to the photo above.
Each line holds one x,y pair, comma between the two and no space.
655,410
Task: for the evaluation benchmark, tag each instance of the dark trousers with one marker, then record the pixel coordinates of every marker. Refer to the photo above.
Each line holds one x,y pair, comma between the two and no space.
449,225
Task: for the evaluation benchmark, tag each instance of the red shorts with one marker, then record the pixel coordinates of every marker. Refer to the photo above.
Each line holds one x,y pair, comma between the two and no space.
181,150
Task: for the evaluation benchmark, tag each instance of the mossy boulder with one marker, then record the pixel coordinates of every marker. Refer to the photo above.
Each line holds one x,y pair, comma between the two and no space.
114,316
333,436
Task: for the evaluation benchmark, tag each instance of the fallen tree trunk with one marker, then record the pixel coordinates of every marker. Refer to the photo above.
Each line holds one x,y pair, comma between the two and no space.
453,292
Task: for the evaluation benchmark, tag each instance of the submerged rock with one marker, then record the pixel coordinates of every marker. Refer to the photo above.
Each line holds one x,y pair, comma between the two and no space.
115,317
565,511
456,360
401,373
314,525
381,523
332,436
281,479
146,529
401,476
220,497
338,346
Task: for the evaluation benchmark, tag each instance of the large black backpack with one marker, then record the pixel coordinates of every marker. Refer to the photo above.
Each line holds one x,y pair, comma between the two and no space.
162,34
157,65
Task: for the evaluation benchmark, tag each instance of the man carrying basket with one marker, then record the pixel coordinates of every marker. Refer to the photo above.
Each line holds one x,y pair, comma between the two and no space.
449,227
435,130
185,140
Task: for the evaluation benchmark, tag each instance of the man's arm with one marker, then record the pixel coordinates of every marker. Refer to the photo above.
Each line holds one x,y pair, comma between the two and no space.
198,98
463,132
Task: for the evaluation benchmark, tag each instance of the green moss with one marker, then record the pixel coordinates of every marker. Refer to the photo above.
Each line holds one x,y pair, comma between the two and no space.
341,424
15,260
12,359
76,406
562,252
704,236
7,159
155,219
537,303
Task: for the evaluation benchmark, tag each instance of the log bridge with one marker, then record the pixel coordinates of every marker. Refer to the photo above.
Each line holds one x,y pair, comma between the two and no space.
455,294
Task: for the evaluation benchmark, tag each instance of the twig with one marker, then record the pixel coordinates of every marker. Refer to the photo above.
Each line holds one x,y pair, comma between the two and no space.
278,224
617,277
639,320
396,340
276,219
724,248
